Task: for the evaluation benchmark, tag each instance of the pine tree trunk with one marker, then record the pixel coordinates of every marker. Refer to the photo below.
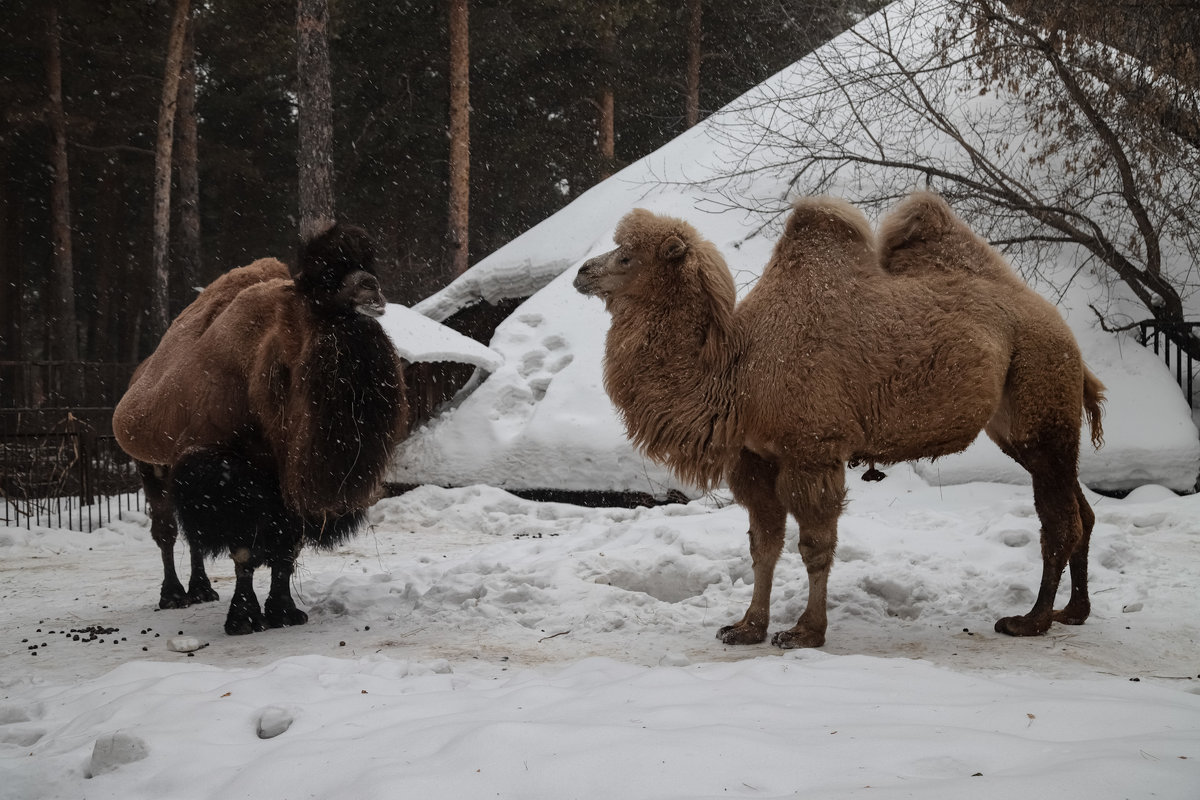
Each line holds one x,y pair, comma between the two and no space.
315,162
64,341
189,179
11,344
458,232
160,275
606,123
695,11
109,256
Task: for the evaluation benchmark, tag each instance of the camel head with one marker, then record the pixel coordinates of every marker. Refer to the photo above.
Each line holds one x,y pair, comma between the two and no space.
649,248
336,273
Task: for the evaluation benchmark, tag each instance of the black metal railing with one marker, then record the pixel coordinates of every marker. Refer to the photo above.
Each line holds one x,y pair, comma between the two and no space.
60,465
1167,340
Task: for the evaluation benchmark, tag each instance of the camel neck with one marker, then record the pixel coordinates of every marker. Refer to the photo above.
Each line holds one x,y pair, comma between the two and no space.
669,371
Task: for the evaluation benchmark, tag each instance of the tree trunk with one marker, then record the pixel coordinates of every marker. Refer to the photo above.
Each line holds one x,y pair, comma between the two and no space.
315,162
12,347
64,340
160,282
189,179
460,138
606,125
692,102
109,255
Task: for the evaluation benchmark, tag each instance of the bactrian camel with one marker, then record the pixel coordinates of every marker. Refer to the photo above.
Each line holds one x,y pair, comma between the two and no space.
265,419
848,348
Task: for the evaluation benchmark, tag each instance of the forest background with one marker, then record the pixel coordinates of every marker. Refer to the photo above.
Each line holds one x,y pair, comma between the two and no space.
563,93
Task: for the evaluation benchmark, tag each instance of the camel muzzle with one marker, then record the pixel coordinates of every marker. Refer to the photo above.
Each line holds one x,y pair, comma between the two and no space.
585,278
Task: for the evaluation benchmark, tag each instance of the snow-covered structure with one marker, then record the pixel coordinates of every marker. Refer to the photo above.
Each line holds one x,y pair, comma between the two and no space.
510,428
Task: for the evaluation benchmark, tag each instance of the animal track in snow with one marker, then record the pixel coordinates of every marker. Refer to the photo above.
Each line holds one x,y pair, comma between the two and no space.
902,601
14,729
538,368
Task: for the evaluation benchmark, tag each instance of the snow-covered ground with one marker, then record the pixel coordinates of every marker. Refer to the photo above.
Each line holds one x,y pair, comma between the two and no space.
475,645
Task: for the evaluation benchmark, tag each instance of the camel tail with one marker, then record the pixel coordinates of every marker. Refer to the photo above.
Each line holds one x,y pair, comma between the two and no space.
829,214
1093,401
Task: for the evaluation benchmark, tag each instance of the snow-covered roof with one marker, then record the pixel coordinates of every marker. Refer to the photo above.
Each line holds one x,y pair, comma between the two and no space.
543,420
419,338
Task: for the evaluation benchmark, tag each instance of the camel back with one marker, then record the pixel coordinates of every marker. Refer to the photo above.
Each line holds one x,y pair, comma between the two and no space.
153,422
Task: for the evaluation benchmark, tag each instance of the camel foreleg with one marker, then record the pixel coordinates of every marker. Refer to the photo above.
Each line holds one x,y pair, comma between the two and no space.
245,614
753,484
280,609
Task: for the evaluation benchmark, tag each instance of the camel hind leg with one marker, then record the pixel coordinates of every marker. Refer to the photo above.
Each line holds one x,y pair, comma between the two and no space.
1079,606
1067,521
164,531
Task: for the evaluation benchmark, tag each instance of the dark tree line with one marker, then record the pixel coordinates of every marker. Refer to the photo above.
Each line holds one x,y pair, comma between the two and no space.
562,93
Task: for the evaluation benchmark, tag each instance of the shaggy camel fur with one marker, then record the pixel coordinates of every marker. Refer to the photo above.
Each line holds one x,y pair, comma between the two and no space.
841,352
265,419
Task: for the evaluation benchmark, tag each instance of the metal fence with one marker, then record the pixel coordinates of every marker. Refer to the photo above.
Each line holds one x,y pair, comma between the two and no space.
59,463
1166,339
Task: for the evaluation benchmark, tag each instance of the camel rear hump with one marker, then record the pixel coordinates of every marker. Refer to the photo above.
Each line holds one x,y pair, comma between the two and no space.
923,235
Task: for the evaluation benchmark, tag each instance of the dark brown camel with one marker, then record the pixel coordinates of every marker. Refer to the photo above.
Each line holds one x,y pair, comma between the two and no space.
265,419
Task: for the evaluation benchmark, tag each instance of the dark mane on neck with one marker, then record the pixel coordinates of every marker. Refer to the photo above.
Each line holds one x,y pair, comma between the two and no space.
350,403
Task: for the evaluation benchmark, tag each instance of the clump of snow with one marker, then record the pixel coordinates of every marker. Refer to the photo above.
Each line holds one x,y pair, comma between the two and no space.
114,750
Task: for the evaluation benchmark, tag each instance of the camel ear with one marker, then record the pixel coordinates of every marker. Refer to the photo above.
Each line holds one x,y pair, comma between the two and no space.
672,248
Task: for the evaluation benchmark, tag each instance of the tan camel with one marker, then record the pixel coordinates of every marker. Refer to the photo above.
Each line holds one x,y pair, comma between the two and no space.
842,351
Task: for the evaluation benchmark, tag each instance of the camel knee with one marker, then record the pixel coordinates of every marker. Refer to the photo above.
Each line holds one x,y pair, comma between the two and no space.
818,558
765,549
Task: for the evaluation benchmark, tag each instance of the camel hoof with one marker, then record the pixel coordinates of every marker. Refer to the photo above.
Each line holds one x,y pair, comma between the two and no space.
794,640
741,633
172,596
1022,626
244,617
243,626
201,593
1070,617
173,601
279,615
